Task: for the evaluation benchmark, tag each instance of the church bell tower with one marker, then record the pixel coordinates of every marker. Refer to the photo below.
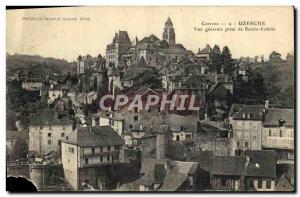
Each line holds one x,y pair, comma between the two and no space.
169,32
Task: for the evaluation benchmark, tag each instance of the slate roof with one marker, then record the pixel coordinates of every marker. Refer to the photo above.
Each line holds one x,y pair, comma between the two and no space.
49,117
250,112
235,108
273,115
153,171
173,181
203,157
150,39
262,163
95,136
122,36
228,165
178,175
169,22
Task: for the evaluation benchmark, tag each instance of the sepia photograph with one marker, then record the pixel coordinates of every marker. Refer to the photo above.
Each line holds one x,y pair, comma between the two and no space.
150,99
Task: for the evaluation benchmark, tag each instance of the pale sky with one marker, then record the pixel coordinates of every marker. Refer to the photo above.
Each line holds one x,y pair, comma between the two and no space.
68,39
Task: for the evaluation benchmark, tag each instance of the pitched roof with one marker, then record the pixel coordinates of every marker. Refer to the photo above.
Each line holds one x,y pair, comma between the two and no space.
168,22
150,39
262,163
250,112
203,157
173,181
150,170
235,108
228,165
95,136
49,117
273,115
122,36
178,174
284,185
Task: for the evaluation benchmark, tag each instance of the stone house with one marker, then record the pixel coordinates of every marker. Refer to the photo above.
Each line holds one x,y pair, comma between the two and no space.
90,154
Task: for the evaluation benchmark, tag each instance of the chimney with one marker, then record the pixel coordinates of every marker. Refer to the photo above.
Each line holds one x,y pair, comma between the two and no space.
91,130
266,104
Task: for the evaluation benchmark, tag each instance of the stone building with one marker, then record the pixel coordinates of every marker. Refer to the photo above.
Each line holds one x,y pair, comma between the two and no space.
247,128
169,32
278,132
90,154
117,48
46,131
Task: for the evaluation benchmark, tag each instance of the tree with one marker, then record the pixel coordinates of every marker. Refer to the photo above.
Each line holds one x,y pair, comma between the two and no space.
20,149
216,59
226,60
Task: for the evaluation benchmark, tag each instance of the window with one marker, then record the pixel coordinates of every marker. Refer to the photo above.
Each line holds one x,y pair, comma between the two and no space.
223,182
86,160
177,137
270,133
49,134
259,184
71,149
62,134
49,142
49,127
269,184
181,128
108,158
246,144
136,118
101,149
93,150
117,148
108,148
237,143
101,158
280,133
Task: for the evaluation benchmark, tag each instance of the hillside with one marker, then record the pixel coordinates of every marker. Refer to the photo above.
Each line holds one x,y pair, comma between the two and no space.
279,82
37,65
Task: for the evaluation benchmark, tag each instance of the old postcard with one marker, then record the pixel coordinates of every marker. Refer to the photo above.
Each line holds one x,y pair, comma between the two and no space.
150,99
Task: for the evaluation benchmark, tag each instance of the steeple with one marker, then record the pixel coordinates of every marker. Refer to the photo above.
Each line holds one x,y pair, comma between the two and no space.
168,23
169,32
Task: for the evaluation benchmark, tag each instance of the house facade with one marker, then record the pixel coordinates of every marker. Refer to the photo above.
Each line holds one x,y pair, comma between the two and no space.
88,152
46,131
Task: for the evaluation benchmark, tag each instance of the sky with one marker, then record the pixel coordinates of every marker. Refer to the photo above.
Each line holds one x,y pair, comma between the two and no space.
66,39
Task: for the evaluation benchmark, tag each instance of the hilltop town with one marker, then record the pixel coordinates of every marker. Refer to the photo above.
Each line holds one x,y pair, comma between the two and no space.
241,138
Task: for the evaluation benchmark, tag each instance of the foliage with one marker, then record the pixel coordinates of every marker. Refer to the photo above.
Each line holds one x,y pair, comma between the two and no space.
216,59
226,60
20,149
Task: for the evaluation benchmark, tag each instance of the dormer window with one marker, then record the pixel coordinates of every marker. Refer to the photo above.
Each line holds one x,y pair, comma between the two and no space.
281,122
244,115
